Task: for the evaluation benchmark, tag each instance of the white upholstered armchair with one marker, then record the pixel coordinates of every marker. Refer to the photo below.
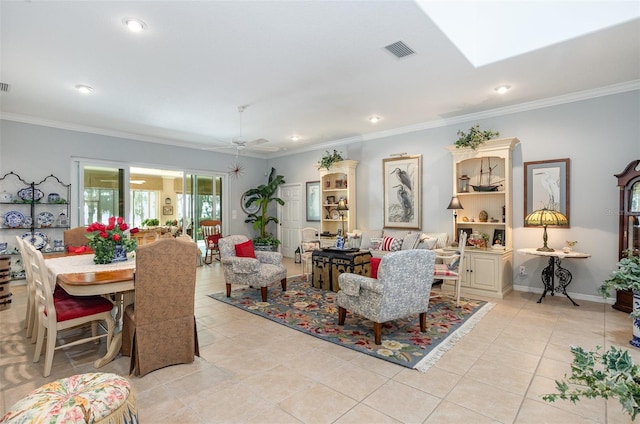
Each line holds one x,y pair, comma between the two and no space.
263,270
401,289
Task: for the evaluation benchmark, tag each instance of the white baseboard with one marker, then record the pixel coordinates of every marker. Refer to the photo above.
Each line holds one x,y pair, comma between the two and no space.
574,296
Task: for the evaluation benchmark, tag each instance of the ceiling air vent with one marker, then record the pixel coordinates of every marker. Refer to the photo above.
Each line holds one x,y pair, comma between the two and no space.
399,49
4,87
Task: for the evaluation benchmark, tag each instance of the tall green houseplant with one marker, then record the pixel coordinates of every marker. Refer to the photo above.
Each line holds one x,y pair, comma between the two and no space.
263,195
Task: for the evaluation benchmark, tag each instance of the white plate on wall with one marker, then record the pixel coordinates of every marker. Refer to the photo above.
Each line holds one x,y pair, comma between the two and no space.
37,239
45,219
13,219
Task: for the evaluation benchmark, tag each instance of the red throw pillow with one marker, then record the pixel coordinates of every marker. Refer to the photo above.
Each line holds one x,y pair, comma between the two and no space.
245,250
375,263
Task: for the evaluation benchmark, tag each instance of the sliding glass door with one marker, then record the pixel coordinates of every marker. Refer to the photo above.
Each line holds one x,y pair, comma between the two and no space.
148,196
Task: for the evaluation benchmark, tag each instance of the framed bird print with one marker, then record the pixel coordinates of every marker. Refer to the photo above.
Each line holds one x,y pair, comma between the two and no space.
546,185
402,181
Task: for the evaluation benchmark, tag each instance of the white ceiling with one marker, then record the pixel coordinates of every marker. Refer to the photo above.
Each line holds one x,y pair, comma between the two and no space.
313,68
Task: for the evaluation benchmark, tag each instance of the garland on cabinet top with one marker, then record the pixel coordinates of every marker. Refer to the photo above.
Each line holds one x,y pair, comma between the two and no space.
475,138
329,159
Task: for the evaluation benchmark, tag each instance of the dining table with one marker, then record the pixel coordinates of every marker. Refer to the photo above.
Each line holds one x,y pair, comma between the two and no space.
79,276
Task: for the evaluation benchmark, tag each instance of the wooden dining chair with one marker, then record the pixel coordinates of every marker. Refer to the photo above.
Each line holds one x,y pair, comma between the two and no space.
58,311
450,268
30,315
211,233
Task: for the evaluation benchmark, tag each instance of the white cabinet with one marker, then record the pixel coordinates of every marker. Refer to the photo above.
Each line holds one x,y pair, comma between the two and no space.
487,273
482,181
338,182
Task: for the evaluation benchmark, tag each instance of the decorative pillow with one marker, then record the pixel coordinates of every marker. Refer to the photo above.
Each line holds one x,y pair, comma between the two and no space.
308,246
426,242
375,244
399,234
442,239
245,250
375,263
454,265
367,238
391,244
410,241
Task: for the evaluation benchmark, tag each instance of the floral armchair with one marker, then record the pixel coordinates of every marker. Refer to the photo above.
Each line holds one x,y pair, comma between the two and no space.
402,288
263,270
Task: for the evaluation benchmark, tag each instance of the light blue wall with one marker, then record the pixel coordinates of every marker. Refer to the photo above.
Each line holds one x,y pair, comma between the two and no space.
600,136
34,152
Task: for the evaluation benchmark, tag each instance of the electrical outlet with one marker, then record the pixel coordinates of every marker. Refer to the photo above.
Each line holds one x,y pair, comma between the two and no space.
522,270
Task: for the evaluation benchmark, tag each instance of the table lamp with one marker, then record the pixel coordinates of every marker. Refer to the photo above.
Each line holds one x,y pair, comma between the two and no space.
455,205
342,207
545,217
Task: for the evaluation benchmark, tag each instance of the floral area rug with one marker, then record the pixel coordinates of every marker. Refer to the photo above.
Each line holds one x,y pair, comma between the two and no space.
315,312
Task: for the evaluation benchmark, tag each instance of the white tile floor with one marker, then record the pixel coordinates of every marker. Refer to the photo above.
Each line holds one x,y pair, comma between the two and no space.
252,370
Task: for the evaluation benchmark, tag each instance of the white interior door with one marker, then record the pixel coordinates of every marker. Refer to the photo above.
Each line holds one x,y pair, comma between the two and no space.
289,216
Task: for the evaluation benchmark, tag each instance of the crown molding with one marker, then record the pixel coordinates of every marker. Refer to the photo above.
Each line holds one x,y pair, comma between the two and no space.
520,107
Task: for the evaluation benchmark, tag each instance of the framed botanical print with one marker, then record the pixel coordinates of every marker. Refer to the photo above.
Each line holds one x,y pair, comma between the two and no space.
546,185
313,201
402,181
167,210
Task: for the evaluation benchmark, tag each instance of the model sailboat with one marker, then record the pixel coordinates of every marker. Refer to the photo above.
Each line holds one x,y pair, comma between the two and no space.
489,185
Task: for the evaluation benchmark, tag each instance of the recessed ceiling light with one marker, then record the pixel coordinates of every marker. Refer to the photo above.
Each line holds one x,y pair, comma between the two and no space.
84,89
374,119
134,25
502,89
295,137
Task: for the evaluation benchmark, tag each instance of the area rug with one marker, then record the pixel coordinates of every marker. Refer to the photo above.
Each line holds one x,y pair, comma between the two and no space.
314,311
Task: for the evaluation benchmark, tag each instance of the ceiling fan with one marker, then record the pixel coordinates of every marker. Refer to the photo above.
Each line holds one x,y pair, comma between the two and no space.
240,143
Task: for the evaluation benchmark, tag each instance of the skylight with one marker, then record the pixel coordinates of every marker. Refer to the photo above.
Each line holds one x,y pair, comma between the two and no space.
489,31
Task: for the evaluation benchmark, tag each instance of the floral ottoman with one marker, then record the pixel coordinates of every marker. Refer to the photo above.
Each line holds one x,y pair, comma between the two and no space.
83,398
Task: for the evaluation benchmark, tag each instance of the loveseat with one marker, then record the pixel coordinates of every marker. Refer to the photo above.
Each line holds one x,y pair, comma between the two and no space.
384,241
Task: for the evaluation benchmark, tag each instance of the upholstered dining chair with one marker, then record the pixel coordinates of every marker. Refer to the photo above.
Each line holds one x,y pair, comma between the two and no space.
159,328
450,266
57,310
211,233
309,241
75,237
242,265
401,289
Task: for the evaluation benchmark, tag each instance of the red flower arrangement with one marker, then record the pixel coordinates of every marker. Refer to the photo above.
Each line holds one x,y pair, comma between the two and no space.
105,239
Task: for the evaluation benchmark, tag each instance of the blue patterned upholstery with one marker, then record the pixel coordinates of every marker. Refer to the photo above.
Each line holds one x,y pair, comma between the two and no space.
263,271
401,289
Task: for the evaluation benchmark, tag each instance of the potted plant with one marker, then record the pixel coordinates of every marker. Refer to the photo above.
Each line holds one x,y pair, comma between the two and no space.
608,375
263,195
329,159
627,277
475,137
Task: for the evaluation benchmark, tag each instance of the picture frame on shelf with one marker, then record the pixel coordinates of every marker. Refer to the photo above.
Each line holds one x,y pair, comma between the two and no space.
498,237
313,201
402,192
468,231
339,184
546,185
167,210
331,200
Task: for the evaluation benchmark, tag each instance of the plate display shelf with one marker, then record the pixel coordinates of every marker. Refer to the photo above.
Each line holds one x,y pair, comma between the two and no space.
36,211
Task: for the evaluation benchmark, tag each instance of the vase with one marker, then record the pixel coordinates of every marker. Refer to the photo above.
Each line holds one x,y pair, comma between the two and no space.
120,254
635,341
